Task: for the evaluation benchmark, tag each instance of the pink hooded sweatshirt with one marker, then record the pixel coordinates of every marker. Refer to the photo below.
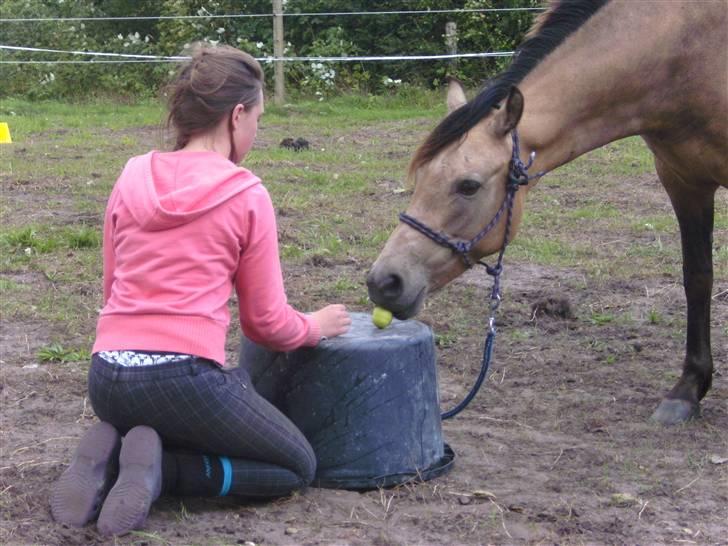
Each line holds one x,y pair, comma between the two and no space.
181,229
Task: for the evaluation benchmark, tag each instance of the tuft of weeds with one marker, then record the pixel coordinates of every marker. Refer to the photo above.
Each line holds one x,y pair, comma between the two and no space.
443,341
83,237
6,285
600,319
56,352
28,239
654,317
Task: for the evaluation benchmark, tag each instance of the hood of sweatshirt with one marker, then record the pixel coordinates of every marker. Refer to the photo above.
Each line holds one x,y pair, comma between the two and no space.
163,190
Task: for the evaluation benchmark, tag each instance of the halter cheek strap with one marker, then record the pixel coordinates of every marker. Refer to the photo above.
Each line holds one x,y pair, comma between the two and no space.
517,176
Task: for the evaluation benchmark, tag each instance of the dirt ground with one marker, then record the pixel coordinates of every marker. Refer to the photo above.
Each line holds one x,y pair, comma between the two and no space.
557,448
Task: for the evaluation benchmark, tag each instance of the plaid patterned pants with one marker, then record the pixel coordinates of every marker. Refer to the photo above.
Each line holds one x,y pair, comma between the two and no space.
195,405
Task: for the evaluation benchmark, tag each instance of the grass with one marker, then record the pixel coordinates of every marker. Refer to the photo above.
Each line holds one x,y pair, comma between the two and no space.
654,317
600,319
337,203
28,119
56,352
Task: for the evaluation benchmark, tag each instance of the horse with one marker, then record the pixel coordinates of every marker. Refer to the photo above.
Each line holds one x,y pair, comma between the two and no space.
588,72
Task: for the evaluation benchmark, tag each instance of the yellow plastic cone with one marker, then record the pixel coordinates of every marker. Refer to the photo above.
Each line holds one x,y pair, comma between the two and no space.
5,133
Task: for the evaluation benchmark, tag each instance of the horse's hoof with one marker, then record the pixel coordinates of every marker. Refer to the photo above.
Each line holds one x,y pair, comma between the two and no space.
672,411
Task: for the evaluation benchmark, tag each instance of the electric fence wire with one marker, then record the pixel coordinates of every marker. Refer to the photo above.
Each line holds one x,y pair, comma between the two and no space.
138,58
250,15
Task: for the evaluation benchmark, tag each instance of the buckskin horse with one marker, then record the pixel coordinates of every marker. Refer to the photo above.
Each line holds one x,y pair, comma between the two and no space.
588,73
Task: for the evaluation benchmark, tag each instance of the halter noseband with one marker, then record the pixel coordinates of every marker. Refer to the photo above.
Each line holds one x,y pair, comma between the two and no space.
517,176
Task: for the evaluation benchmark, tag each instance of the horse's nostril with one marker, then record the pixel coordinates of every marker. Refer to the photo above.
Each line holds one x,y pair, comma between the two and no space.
384,287
391,286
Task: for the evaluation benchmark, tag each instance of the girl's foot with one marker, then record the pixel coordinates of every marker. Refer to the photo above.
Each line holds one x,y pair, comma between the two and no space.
139,484
77,496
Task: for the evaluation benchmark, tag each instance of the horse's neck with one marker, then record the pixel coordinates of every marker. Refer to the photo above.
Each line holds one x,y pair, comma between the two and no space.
619,75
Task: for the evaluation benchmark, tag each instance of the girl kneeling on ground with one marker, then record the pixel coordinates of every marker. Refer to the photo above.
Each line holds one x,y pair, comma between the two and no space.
182,229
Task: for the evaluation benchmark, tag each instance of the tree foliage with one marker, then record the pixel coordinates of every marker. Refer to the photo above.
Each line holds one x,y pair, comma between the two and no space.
395,34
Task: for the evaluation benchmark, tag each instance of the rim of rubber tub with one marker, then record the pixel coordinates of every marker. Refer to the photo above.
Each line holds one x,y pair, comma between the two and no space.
437,469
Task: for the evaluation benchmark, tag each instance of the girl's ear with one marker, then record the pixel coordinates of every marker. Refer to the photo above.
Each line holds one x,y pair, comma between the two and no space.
236,113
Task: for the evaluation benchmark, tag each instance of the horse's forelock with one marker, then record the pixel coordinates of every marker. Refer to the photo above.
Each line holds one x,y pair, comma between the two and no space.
457,124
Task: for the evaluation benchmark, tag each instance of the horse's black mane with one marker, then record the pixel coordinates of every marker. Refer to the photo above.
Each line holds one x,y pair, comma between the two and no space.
552,28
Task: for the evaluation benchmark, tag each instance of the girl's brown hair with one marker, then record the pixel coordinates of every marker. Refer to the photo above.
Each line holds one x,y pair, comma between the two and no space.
208,87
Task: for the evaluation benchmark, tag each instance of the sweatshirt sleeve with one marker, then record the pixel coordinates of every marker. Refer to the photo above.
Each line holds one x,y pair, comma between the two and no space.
265,315
108,244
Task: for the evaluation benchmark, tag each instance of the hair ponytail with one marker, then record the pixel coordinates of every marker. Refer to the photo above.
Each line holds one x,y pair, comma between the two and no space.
207,88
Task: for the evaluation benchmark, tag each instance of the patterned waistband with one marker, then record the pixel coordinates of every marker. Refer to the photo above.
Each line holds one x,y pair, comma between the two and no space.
142,358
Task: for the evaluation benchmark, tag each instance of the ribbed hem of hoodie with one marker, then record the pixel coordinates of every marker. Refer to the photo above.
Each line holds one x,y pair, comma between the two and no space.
314,332
179,334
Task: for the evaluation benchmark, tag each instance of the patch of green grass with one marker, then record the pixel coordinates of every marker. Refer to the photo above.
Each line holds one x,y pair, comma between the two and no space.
355,108
147,538
52,117
600,319
82,237
443,341
56,352
549,251
654,317
22,243
666,223
29,239
626,157
290,251
6,285
592,211
520,334
345,284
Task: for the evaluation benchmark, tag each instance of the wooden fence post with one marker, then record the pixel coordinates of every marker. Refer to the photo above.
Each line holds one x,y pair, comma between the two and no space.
280,86
451,42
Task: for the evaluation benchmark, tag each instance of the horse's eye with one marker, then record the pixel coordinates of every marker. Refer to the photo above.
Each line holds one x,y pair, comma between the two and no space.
468,187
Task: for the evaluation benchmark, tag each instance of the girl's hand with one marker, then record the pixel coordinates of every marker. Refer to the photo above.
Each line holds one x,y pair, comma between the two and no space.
333,320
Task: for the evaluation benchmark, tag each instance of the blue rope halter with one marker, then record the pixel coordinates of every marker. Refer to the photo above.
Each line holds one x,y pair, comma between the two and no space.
517,176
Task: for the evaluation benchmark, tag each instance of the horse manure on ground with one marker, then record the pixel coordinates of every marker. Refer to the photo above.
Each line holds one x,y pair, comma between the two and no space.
552,307
295,144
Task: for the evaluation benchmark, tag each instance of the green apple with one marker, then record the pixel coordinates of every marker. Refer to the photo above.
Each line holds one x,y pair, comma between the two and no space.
381,317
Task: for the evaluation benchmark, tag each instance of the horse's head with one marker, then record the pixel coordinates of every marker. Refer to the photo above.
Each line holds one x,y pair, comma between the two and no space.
459,187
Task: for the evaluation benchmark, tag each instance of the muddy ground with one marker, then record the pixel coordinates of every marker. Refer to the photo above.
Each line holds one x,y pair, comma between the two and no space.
557,448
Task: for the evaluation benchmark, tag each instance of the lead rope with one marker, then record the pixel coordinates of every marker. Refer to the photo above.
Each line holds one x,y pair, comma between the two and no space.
495,299
517,176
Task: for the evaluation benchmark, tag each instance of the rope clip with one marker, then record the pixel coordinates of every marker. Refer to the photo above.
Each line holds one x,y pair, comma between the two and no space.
495,303
491,325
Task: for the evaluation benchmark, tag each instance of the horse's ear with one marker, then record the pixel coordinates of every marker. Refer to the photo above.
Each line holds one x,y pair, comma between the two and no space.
455,94
507,118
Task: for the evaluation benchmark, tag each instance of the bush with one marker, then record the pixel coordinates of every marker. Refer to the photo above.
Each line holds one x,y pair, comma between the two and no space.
382,35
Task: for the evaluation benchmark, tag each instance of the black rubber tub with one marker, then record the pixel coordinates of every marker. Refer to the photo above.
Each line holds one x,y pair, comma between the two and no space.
367,401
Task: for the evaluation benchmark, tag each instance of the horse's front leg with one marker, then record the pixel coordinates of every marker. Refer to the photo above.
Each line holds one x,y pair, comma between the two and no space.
694,209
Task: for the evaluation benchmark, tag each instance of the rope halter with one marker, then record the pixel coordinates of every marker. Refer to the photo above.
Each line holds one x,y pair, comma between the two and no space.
517,176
